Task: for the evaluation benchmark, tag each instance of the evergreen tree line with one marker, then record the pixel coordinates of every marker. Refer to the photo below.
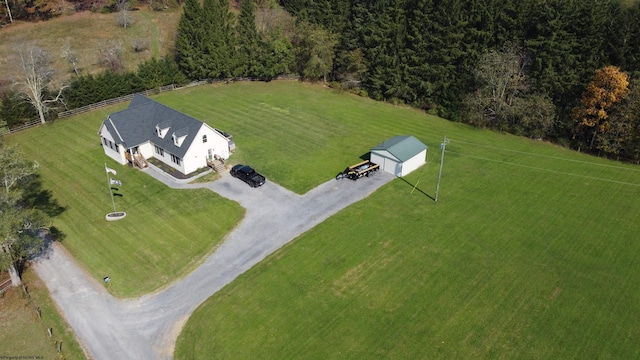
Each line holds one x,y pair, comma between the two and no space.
212,44
514,65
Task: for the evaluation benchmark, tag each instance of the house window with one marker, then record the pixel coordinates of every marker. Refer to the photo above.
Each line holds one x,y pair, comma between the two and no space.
104,141
159,150
175,159
117,148
204,139
110,144
159,131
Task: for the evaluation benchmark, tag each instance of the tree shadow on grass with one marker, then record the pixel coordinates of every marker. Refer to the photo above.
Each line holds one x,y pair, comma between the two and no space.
35,196
417,189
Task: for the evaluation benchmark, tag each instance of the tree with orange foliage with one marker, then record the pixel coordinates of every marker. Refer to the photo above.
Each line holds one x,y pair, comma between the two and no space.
609,86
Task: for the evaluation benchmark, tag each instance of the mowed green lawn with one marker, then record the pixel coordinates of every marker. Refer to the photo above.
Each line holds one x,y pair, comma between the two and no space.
166,232
530,252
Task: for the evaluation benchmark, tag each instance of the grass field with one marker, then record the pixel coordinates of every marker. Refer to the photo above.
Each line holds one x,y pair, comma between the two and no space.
85,31
23,333
166,232
530,252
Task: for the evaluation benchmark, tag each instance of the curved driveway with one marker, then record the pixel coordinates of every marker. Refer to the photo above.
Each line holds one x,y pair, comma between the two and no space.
147,327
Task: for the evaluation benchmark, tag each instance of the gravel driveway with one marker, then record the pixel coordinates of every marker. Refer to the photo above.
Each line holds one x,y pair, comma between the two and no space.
147,327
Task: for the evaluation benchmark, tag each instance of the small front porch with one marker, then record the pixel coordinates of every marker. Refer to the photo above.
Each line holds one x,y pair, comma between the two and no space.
218,164
136,160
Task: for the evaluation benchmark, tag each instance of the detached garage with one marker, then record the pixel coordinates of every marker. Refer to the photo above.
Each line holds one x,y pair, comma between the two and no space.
400,155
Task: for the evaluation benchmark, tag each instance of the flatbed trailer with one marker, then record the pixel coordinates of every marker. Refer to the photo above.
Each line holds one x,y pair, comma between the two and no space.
354,172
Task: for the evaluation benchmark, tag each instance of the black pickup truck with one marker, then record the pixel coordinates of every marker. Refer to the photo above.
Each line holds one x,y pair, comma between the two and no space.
248,175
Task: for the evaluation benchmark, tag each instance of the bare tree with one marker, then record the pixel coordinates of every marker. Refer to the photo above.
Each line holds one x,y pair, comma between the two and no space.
504,100
125,19
275,20
34,77
110,55
140,44
158,5
71,56
6,2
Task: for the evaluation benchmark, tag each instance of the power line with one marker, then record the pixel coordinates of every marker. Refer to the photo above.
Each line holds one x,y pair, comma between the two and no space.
546,156
547,170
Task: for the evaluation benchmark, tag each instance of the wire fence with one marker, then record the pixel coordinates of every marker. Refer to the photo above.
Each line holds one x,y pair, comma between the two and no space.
104,103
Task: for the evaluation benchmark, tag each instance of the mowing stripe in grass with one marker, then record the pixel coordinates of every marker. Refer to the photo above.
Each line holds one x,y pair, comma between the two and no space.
525,255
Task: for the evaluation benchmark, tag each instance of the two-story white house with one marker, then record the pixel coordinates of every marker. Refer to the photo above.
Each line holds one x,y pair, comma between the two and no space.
149,129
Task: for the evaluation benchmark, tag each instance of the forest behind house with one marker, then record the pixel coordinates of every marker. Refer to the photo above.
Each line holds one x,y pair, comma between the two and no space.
565,71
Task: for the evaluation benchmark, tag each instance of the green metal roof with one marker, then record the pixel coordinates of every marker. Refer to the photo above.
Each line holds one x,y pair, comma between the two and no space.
402,148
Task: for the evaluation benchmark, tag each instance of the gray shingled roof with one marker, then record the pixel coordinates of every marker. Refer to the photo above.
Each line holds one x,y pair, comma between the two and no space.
137,125
402,147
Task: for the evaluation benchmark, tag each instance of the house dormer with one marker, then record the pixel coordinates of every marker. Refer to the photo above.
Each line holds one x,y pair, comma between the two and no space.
162,129
179,136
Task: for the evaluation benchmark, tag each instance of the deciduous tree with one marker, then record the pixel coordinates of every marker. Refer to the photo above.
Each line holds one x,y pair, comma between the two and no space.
124,19
110,55
608,87
20,227
504,100
34,77
622,137
315,51
71,56
6,2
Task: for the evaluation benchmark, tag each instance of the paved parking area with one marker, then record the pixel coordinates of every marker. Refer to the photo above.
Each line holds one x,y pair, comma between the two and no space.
147,327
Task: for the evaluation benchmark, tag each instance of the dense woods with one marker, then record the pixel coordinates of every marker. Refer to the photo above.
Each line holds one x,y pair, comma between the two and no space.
518,66
538,69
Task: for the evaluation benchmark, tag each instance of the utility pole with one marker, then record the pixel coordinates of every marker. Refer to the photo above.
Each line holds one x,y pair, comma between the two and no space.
442,148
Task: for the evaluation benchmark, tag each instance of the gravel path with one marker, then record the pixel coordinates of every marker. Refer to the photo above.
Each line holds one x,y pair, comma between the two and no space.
147,327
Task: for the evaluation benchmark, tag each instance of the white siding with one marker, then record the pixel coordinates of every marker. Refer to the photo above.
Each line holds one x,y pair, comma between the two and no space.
168,160
146,150
196,156
414,163
388,164
110,147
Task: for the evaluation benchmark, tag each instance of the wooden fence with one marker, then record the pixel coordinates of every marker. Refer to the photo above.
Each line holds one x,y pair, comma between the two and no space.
103,103
5,130
5,284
